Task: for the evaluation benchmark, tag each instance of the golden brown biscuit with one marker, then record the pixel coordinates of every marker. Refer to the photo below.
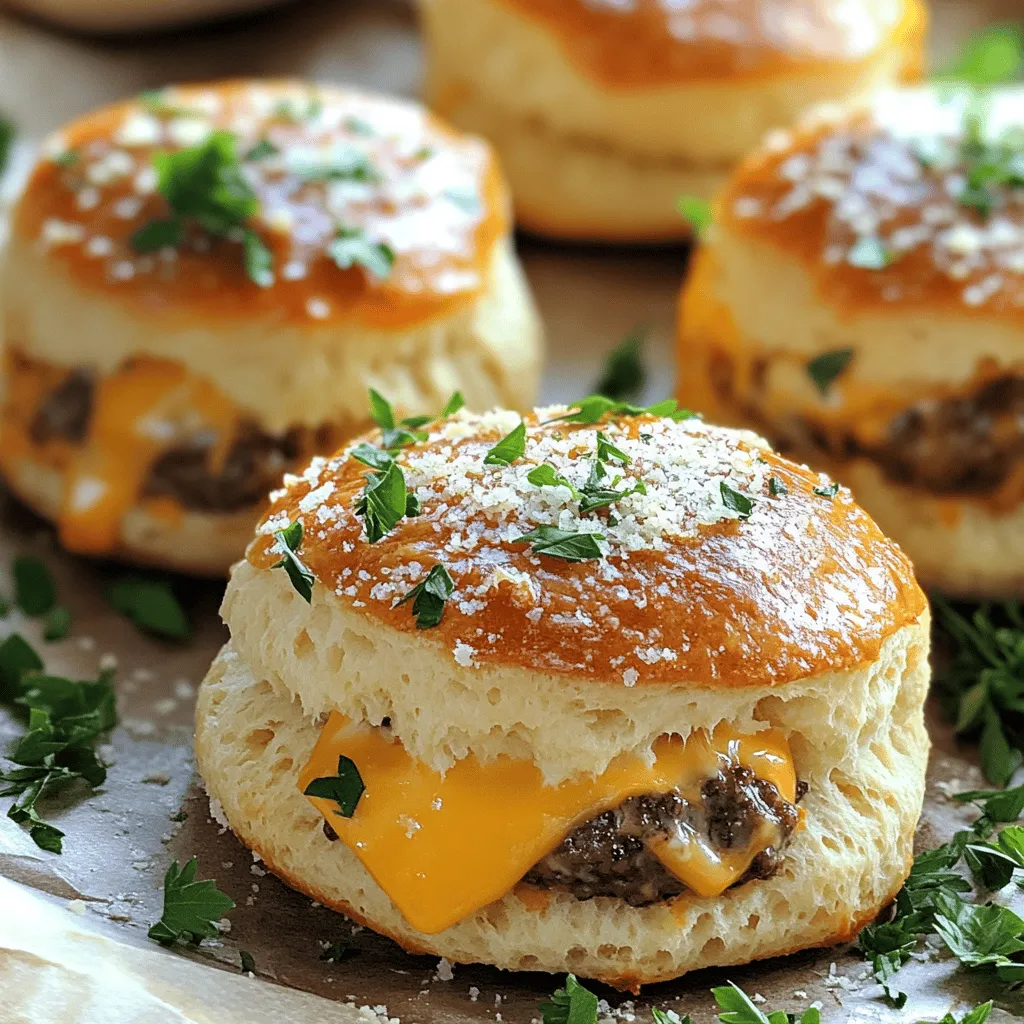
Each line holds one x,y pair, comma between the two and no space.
202,283
604,113
861,302
719,670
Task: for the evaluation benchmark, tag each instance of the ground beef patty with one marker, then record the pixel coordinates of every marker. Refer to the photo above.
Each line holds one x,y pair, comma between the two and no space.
966,445
608,856
253,466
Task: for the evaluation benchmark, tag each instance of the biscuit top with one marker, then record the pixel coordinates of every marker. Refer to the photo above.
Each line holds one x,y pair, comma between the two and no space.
247,199
714,562
650,42
915,201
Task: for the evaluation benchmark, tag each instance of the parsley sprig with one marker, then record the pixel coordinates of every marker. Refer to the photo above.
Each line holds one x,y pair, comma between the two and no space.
66,717
191,908
204,186
982,686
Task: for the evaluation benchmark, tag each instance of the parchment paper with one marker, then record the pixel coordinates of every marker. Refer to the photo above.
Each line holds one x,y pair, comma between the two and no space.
120,840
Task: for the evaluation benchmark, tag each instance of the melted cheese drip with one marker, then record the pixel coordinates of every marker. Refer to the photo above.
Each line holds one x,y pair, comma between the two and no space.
442,847
139,412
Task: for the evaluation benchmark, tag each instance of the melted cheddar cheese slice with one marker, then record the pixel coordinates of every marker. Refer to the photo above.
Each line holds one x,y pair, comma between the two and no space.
139,412
443,846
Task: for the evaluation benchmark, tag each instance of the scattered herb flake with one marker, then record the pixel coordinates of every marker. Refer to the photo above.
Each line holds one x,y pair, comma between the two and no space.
58,624
191,909
737,502
453,405
824,369
827,490
697,213
151,605
564,544
428,597
994,56
345,788
776,487
248,964
352,248
571,1004
289,540
511,447
624,375
35,591
384,502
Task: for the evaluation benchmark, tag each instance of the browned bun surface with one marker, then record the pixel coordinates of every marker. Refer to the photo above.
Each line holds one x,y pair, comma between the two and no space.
860,301
690,589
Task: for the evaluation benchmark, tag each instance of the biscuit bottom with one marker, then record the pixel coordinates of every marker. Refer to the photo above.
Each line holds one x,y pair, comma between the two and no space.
840,869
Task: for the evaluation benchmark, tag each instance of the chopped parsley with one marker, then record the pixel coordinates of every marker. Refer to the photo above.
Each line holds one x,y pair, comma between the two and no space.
978,1015
370,455
261,151
352,248
289,540
336,952
345,162
66,717
546,476
776,487
35,591
990,164
204,185
453,405
57,624
598,493
151,605
511,447
737,502
7,135
870,253
739,1008
396,435
697,213
564,544
385,501
824,369
624,374
982,684
607,452
594,408
571,1004
246,961
994,56
345,788
827,490
428,597
191,909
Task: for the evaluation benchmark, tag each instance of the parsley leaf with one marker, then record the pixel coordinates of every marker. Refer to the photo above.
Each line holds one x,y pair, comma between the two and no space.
994,56
982,684
607,452
261,150
571,1004
258,259
976,1016
740,1009
511,447
384,502
289,541
736,501
453,405
352,248
7,134
377,458
34,589
776,487
58,624
345,788
827,490
246,961
428,597
624,374
151,605
824,369
204,185
546,476
597,494
669,1017
345,162
17,659
564,544
697,213
594,408
870,253
191,909
980,936
996,805
395,436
